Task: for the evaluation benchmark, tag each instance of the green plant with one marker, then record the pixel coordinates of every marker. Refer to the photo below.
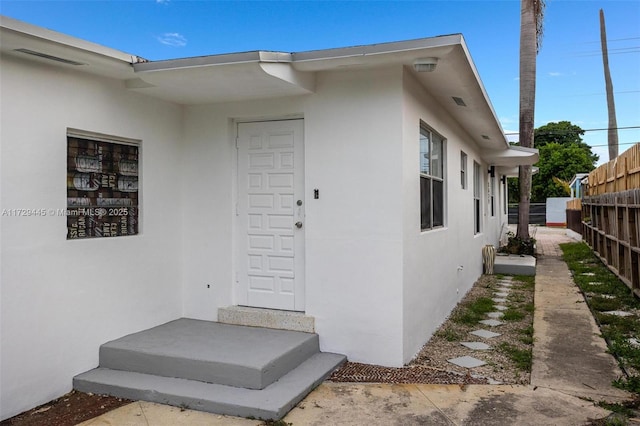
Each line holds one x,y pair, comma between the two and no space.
521,357
516,245
525,282
527,335
630,384
602,304
512,314
473,312
449,335
276,423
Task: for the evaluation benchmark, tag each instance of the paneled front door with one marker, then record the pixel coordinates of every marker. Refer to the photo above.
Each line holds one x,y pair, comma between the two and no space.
270,215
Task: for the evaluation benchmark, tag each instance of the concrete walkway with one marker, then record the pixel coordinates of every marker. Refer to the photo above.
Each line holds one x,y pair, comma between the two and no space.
570,367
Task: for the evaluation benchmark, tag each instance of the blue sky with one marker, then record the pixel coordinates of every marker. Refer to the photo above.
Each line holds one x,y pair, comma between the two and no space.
570,74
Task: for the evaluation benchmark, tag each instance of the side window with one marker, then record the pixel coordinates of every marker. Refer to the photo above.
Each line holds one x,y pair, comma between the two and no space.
492,192
463,170
432,151
102,186
477,191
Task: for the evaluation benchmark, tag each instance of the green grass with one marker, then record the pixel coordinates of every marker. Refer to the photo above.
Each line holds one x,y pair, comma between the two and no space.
602,304
449,335
527,335
512,314
473,312
615,329
522,358
525,282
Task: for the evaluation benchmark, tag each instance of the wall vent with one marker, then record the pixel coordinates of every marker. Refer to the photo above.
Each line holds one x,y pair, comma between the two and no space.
459,101
49,57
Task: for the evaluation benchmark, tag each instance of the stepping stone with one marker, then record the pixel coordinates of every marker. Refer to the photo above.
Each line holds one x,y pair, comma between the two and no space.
495,314
491,322
634,342
588,274
467,362
499,300
476,346
506,286
595,283
604,296
502,294
618,313
500,307
485,334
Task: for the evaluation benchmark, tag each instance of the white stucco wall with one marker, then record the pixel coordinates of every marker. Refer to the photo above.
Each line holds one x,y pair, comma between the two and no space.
440,265
557,211
62,299
353,233
376,285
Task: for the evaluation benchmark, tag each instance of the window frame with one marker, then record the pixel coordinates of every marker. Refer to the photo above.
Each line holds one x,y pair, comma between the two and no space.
463,170
433,194
477,198
113,205
492,195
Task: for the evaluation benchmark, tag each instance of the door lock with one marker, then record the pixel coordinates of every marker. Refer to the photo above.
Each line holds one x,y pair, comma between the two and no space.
298,225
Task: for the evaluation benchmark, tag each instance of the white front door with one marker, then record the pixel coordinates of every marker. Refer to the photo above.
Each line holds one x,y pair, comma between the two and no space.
270,215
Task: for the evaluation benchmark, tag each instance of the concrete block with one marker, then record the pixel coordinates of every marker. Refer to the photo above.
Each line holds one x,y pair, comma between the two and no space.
515,265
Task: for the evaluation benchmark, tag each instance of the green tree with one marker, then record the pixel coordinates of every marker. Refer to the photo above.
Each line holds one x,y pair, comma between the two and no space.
560,161
562,154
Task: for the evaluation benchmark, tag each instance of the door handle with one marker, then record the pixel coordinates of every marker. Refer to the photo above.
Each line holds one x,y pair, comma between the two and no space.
298,225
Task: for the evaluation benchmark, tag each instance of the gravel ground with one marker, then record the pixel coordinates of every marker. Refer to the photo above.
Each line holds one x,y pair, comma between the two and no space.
430,365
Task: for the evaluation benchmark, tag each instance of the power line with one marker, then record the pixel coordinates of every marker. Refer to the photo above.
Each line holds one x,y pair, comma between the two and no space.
623,143
556,132
601,93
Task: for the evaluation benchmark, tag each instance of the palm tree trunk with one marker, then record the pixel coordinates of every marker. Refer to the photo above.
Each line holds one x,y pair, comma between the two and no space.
612,134
528,52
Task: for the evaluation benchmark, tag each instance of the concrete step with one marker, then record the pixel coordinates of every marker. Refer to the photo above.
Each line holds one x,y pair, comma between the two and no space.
514,265
268,318
231,355
270,403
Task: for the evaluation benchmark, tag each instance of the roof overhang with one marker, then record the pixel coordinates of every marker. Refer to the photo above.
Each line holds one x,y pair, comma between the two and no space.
455,83
511,157
38,44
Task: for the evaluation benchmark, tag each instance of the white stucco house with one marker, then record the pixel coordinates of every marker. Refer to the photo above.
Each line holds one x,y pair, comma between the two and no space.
355,185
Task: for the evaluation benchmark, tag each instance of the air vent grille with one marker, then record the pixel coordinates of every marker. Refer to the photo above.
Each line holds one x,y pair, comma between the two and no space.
459,101
49,57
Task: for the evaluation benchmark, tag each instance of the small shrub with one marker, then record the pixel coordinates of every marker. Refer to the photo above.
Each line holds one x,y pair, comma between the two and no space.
516,245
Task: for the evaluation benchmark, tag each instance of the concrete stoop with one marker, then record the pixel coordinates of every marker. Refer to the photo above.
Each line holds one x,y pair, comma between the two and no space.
209,366
514,264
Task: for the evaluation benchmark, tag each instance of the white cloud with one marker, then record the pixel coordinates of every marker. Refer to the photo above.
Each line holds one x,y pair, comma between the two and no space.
163,1
555,74
173,39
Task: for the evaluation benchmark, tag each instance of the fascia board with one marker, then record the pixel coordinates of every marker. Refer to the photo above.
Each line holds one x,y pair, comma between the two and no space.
376,49
24,29
213,60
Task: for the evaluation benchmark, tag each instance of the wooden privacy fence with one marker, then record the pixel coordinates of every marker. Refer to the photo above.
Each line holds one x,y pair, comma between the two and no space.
611,216
574,215
617,175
